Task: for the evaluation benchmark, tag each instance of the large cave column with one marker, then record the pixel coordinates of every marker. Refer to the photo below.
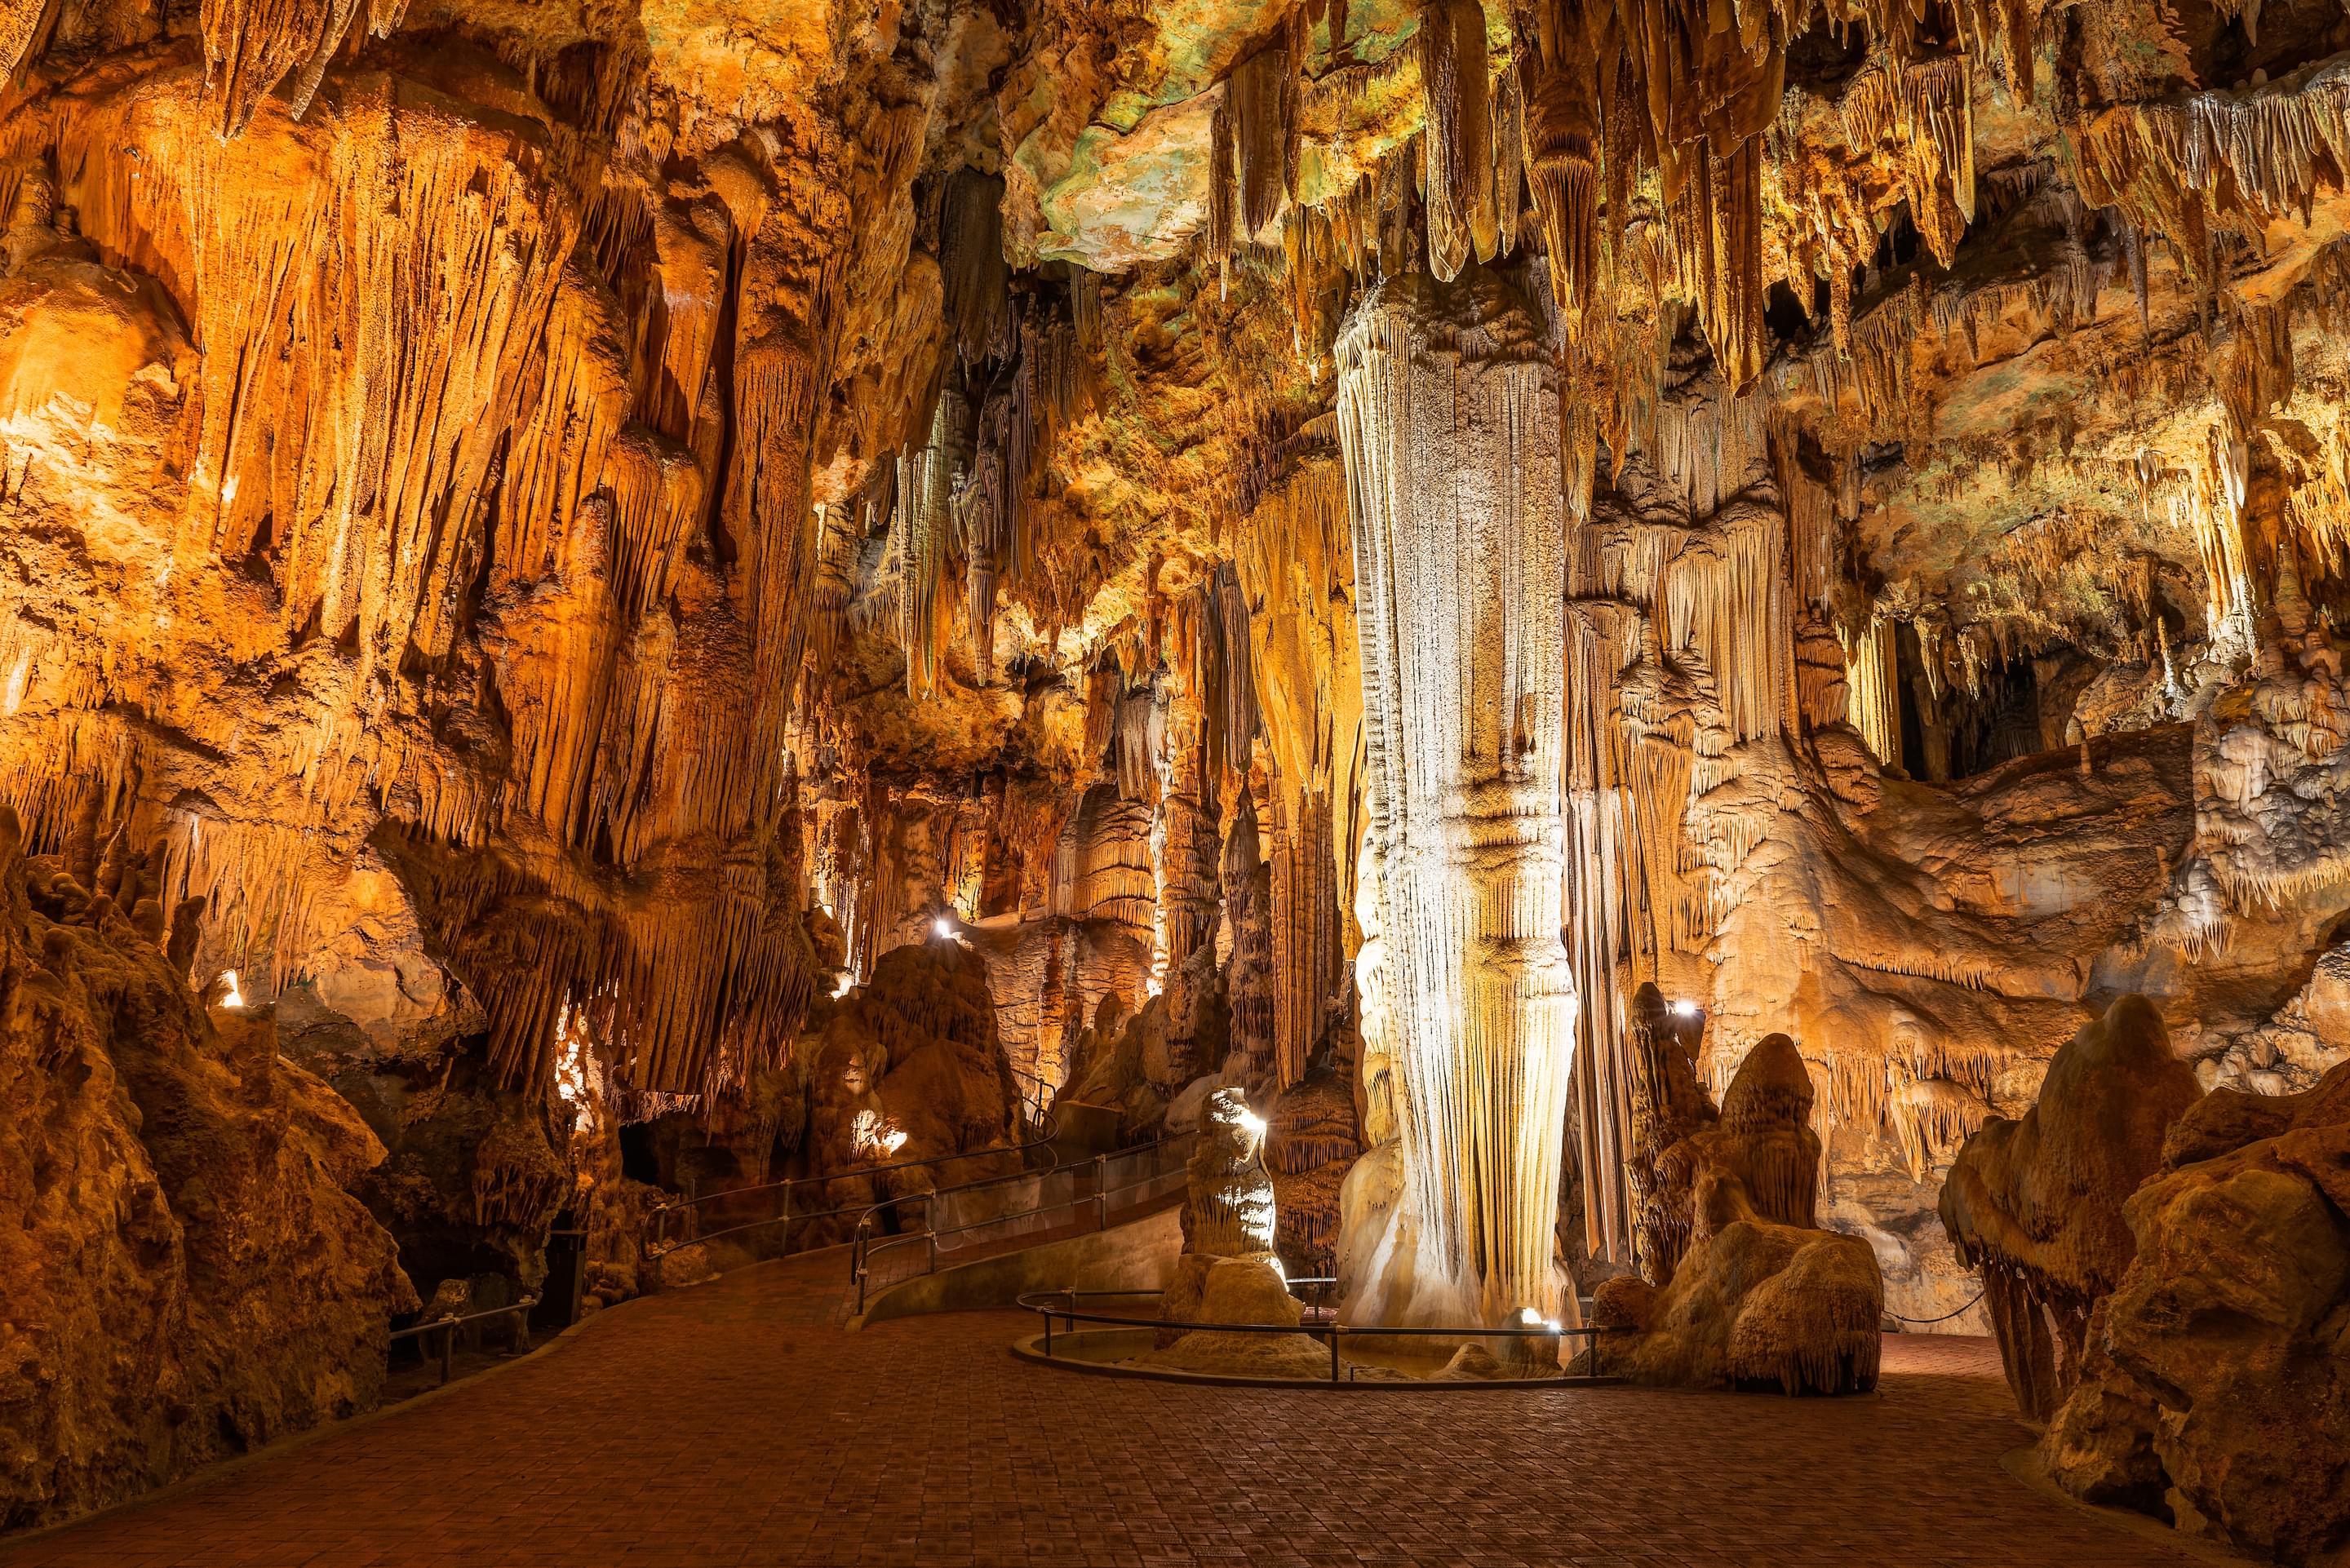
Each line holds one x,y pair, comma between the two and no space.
1449,418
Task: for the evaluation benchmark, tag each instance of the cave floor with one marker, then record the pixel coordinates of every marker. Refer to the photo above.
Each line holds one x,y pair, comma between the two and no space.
734,1424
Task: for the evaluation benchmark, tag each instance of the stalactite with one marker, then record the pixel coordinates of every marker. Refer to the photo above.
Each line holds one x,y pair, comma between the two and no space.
1233,707
926,482
1931,1117
1308,958
1260,111
1873,676
1222,201
1294,560
1725,601
1565,141
1448,411
1141,742
1601,913
1248,906
1102,870
971,258
250,48
1459,144
1715,204
983,520
25,28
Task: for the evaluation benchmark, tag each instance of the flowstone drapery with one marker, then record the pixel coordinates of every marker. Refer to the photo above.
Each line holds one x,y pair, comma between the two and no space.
1448,415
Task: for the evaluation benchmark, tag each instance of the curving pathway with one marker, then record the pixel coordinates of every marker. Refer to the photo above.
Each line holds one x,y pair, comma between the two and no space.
733,1424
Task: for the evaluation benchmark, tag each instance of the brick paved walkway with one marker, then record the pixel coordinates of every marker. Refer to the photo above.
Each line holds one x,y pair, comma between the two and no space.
731,1424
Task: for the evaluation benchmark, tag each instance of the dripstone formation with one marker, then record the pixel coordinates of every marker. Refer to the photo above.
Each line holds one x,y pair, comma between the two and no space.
682,596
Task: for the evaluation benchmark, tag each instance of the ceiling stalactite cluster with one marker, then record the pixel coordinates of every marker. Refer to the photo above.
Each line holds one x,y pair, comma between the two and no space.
1479,572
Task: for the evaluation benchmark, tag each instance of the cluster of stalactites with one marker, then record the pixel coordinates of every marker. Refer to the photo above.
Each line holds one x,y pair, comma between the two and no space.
252,47
1253,144
1472,146
1224,667
926,512
1014,375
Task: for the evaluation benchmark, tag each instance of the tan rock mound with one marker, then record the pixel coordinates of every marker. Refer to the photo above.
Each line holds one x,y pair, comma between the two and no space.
1754,1303
2217,1384
184,1273
1759,1295
1228,1271
2037,1203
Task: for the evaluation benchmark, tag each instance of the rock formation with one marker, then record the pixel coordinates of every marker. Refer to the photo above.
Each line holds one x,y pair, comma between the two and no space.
2217,1389
1229,1270
586,534
1755,1295
1668,1105
2170,1276
2037,1203
1447,413
1311,1142
186,1271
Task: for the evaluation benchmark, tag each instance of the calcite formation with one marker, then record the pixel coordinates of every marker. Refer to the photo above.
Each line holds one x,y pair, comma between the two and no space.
1228,1271
2215,1390
2037,1203
1753,1292
1460,567
186,1271
1448,411
2167,1272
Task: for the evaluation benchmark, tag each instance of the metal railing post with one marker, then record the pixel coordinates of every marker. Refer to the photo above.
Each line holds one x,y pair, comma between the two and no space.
448,1350
1101,1196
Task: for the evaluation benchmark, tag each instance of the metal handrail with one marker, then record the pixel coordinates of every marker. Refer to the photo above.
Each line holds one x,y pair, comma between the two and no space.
1098,1199
658,1239
1046,1093
449,1325
863,1248
1041,1303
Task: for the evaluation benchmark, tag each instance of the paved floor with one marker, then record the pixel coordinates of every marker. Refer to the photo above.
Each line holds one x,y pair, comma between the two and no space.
732,1424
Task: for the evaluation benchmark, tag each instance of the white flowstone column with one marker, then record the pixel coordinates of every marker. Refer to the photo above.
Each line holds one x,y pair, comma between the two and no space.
1448,417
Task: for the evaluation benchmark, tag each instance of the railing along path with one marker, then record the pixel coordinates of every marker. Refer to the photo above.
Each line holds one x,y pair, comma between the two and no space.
1123,1179
1319,1323
678,1222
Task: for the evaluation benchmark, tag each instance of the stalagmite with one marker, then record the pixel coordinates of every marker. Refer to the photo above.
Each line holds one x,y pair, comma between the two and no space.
1447,405
1758,1294
1669,1105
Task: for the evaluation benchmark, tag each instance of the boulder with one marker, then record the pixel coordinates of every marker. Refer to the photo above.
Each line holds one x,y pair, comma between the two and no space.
2217,1385
2037,1203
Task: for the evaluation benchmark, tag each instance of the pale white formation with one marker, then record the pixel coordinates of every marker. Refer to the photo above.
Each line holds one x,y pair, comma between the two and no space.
1449,418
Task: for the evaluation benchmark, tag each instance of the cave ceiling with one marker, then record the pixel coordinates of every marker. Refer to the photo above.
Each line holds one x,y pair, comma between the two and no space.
536,498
